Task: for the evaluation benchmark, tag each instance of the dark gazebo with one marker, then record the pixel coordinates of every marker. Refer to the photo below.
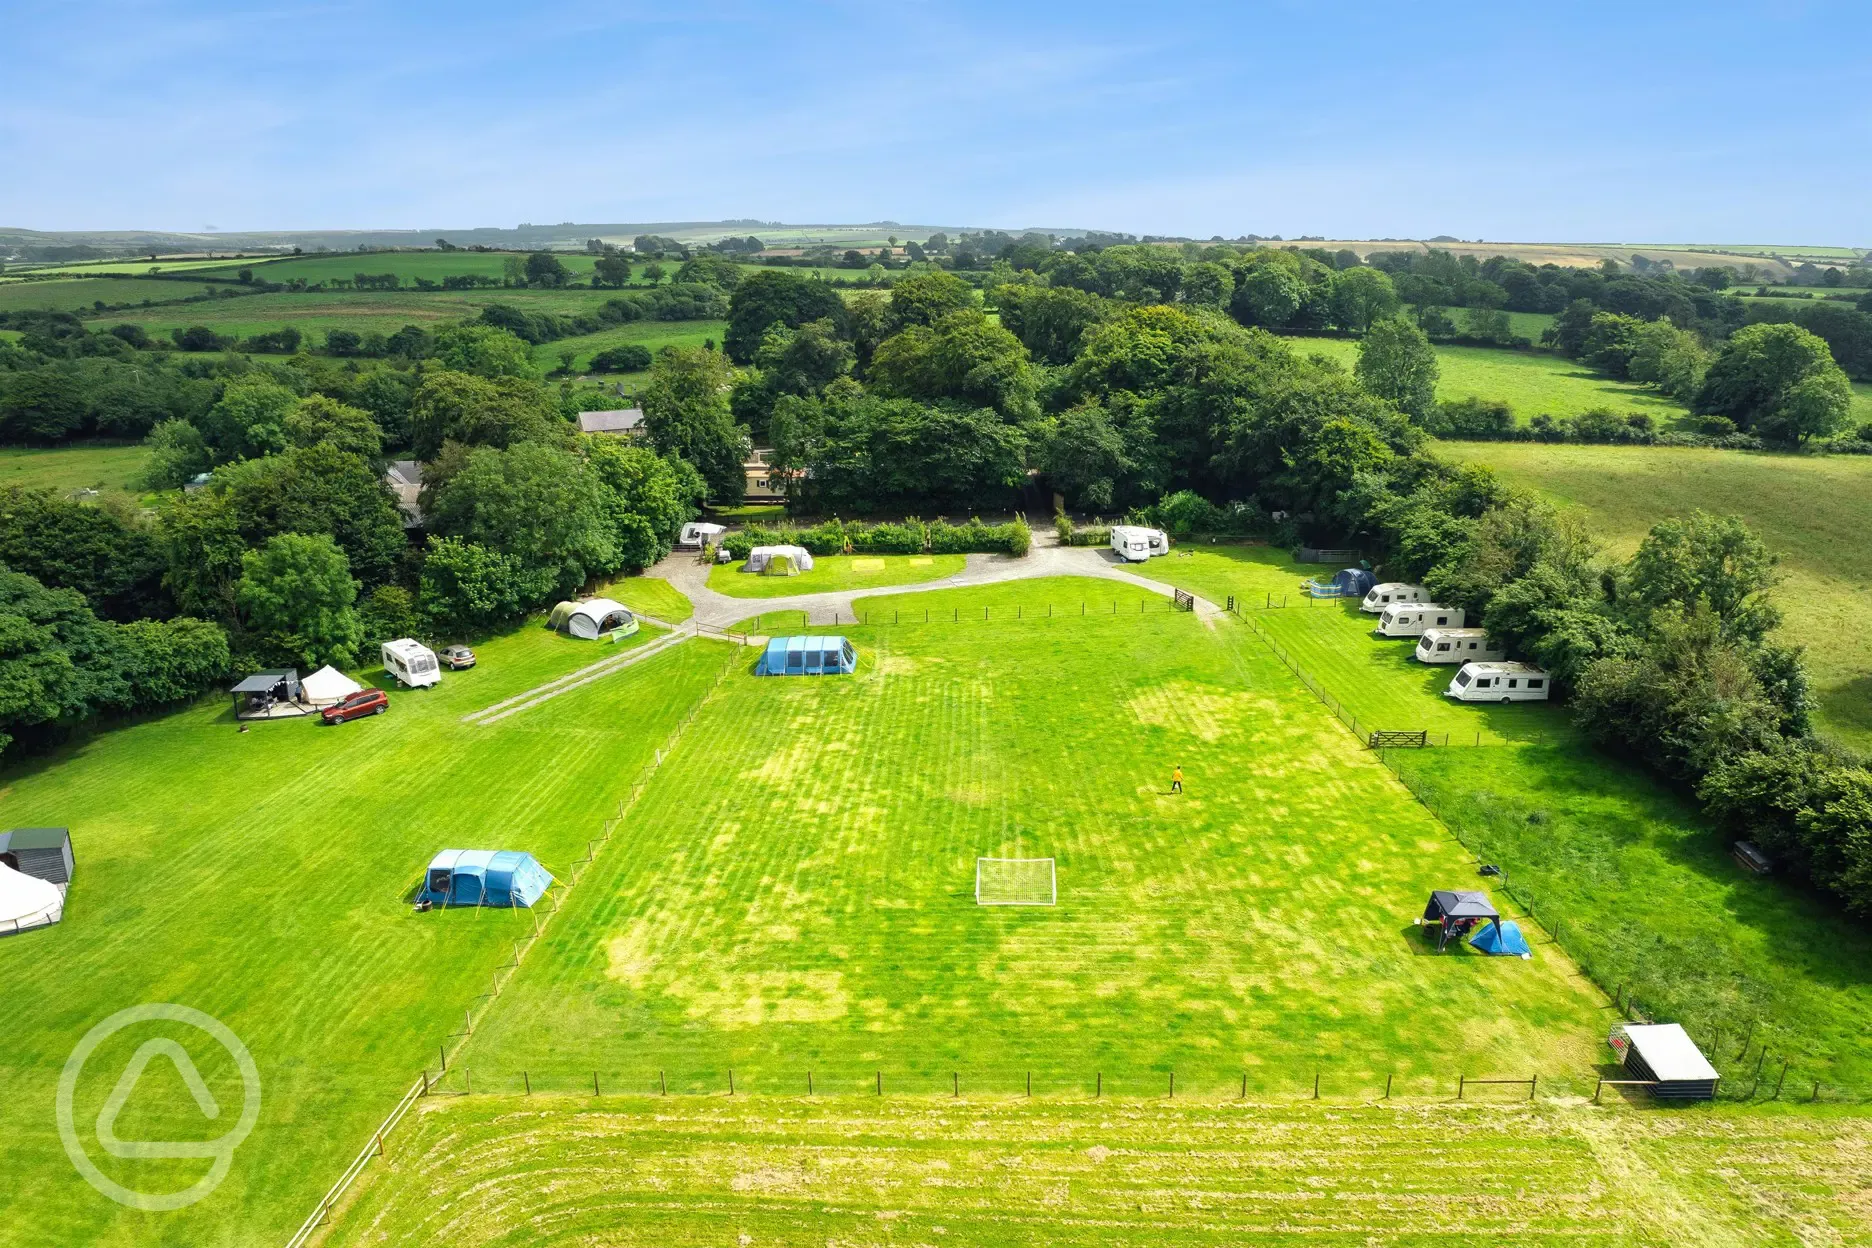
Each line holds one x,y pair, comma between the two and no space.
1456,912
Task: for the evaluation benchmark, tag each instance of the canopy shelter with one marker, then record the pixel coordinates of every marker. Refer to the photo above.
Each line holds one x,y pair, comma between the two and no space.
1457,912
484,877
269,695
1665,1054
770,560
591,618
1503,939
27,902
807,656
328,686
43,853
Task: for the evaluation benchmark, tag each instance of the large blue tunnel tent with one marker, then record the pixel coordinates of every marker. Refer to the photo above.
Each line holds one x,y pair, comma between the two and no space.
484,877
807,656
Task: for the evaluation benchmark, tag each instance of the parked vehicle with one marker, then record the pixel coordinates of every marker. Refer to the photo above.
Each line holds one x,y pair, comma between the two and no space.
457,658
1413,619
1382,595
357,706
1499,682
1458,645
1135,544
411,663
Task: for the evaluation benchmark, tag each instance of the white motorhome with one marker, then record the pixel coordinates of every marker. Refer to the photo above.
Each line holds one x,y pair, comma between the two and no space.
1414,619
1378,597
1135,544
1499,682
1458,645
411,663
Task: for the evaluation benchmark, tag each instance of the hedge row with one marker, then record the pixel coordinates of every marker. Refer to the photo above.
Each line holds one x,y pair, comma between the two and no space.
896,537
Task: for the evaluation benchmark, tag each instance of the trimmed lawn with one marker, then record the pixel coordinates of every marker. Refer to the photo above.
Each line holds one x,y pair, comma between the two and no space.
262,877
996,1169
88,465
649,595
836,572
1531,382
1812,510
797,891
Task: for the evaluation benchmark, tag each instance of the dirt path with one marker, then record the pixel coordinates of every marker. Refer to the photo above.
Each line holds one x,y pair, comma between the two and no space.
1047,558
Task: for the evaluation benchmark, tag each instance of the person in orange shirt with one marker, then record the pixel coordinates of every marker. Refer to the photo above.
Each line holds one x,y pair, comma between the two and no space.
1176,779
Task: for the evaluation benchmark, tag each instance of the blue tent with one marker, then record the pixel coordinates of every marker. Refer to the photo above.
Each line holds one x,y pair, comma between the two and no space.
807,656
1503,938
484,877
1346,583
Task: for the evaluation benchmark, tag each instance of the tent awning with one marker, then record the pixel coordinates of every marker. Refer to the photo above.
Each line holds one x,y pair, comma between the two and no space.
27,902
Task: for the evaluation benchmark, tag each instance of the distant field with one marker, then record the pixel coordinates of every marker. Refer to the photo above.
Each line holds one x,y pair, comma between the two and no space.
79,294
651,334
993,1168
1531,381
1573,255
101,466
831,572
139,266
386,310
1815,511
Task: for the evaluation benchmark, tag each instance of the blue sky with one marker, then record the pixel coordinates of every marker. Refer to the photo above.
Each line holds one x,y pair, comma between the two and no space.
1712,122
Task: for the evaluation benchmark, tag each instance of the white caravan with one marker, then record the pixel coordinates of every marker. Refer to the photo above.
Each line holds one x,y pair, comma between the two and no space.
1378,597
411,663
1135,544
1414,619
1499,682
1458,645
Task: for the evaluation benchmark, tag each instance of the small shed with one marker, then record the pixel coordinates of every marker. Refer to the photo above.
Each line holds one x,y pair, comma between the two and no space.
27,902
484,877
328,686
807,656
1456,912
764,559
43,853
592,618
269,695
1665,1054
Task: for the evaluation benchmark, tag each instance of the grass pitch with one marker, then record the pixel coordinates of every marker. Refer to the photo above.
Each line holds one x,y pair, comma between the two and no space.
991,1168
102,466
1814,511
835,572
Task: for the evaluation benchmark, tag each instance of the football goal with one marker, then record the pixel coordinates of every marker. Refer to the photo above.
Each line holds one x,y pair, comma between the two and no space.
1015,882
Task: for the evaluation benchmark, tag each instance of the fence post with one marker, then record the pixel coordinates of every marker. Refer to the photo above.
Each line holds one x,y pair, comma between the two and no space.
528,1081
1597,1088
955,1083
443,1050
595,1083
1780,1081
468,1083
1244,1091
1530,1086
1460,1081
1816,1091
1173,1083
809,1083
1030,1083
880,1083
1100,1088
662,1083
1316,1075
731,1081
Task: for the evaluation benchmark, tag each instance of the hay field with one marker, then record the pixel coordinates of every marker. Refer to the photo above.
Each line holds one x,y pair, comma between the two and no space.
794,892
261,877
994,1169
1814,511
1572,255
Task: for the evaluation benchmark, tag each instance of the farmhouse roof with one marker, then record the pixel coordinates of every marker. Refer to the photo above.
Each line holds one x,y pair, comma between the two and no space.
622,420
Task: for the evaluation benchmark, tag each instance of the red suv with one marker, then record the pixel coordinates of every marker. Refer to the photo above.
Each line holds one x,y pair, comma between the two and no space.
357,705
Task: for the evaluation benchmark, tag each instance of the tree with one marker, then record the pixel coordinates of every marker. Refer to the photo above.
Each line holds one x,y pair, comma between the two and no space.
925,298
687,413
632,357
168,661
200,538
1397,362
866,453
177,455
1669,358
1778,382
467,586
297,594
1051,321
319,489
460,407
653,273
540,506
485,351
1716,563
965,357
1208,285
1269,295
1084,456
321,419
649,497
48,640
249,419
717,271
1361,296
544,269
777,297
612,269
112,559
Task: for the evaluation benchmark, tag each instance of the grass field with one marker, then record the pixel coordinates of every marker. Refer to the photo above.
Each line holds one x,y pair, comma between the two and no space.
1812,510
261,877
836,572
80,294
649,595
1642,885
997,1170
1532,382
99,465
651,334
797,895
91,267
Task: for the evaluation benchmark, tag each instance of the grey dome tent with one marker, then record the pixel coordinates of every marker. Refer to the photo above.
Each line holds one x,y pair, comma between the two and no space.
594,617
1455,912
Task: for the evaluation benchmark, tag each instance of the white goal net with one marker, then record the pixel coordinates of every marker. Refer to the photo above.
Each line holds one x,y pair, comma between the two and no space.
1015,882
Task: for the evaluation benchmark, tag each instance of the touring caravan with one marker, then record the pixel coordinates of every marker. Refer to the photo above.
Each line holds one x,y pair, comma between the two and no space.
1135,544
1380,596
699,533
1413,619
411,663
1499,682
1458,645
